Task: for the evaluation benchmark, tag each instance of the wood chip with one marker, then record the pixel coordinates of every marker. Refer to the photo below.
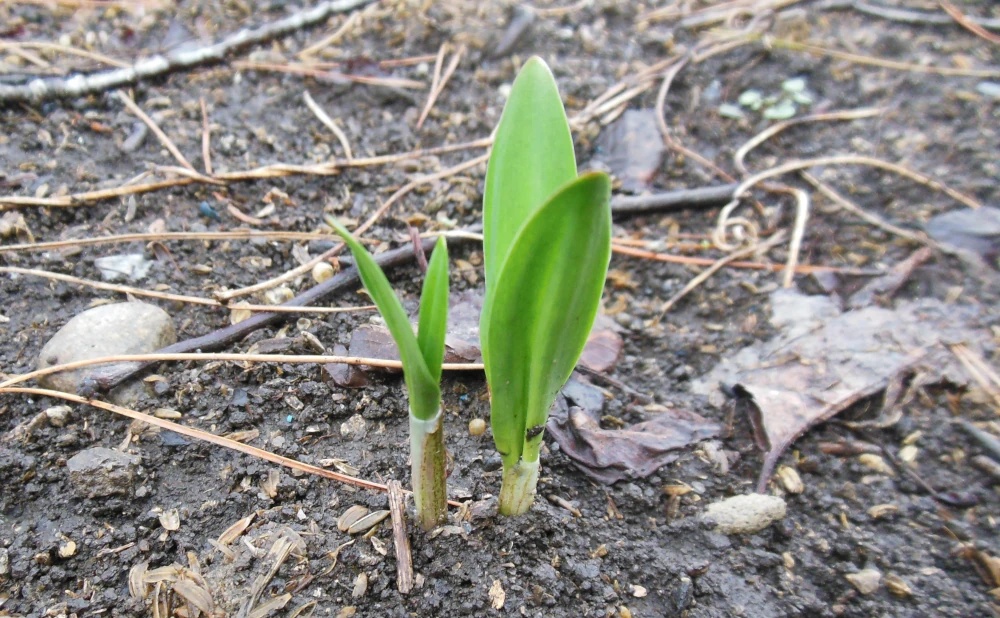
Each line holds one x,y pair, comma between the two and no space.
404,560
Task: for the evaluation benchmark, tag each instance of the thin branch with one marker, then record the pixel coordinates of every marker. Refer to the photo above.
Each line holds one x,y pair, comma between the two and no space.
325,42
438,88
768,133
159,65
723,223
109,287
319,359
329,124
166,141
151,237
967,23
8,202
371,80
63,49
715,267
198,434
911,17
816,50
856,210
304,268
206,138
802,269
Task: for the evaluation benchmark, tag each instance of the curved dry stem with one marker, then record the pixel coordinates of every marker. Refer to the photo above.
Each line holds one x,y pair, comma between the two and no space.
227,356
768,133
793,166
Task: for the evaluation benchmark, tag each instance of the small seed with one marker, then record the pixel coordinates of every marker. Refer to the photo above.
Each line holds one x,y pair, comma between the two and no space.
350,516
880,511
367,522
791,480
875,462
477,427
639,591
677,489
908,453
166,413
278,295
360,585
323,271
624,612
897,586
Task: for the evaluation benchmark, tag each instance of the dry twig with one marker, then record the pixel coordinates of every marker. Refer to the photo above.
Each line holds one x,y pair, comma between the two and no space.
329,123
718,264
404,561
159,65
157,131
964,21
439,81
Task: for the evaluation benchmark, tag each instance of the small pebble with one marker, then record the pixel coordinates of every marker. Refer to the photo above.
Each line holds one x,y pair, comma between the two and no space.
323,271
866,581
745,514
278,295
477,427
58,416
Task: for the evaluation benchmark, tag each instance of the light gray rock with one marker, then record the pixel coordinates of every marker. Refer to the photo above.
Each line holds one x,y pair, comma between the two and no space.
131,266
100,472
355,427
745,514
122,328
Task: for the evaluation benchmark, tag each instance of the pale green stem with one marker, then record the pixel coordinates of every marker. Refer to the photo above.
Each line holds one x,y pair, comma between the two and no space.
427,457
518,489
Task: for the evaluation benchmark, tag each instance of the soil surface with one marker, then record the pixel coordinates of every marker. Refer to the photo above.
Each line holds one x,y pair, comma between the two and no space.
631,549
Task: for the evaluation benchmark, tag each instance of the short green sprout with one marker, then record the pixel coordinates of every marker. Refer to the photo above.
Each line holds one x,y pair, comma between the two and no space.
546,246
422,356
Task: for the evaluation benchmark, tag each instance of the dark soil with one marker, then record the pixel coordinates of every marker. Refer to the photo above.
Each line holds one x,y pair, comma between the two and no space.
549,562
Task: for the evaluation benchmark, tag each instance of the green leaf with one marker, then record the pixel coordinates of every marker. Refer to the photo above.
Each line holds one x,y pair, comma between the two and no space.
434,310
542,308
532,157
424,390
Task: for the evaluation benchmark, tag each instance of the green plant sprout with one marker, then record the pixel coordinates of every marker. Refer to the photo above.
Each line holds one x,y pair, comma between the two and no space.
422,355
546,247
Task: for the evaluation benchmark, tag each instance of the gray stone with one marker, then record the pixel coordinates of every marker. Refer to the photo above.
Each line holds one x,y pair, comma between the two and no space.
100,472
122,328
745,514
989,89
131,266
355,427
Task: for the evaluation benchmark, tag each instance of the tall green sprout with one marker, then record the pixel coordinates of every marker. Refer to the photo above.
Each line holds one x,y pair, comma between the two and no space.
546,246
422,356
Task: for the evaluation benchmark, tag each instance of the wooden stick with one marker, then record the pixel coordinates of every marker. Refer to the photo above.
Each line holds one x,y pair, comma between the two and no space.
206,138
156,66
964,21
404,561
166,141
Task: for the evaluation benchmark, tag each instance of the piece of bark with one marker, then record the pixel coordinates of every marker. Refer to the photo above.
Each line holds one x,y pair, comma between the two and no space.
404,561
